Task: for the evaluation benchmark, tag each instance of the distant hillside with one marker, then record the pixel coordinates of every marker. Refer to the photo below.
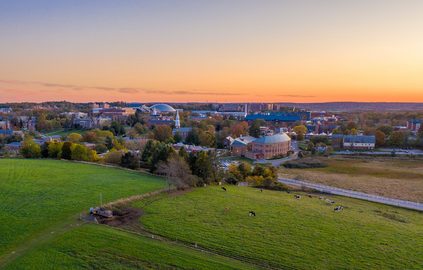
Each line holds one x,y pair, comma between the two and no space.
358,106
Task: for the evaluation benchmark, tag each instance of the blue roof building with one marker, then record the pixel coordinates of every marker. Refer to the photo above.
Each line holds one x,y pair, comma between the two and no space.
280,116
6,132
359,139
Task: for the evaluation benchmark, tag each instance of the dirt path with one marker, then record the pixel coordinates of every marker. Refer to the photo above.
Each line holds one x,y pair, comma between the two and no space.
138,230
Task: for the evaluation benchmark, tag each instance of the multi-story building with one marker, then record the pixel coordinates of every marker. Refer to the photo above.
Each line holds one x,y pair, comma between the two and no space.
414,124
5,109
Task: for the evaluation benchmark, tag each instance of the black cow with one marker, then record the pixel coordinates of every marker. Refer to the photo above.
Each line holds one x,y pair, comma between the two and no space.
338,208
297,197
252,214
224,188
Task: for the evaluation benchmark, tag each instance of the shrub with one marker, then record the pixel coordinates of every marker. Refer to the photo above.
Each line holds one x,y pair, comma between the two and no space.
30,149
79,152
305,163
113,157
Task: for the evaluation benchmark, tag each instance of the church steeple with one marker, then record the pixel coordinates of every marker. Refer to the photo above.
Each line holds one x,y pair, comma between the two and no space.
177,121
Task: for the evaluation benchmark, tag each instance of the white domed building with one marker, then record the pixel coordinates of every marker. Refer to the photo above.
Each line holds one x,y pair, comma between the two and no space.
161,109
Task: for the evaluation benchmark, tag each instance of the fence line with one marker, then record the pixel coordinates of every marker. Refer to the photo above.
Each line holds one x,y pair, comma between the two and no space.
354,194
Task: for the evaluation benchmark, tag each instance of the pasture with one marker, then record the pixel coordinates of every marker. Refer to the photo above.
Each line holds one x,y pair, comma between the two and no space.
390,177
39,195
101,247
288,233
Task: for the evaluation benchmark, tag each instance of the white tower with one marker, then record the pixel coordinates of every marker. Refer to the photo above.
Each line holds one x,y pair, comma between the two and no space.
177,121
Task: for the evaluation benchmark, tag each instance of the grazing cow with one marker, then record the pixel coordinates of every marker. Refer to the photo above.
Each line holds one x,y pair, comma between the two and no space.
297,197
224,188
309,195
261,190
252,214
321,198
329,201
288,191
338,208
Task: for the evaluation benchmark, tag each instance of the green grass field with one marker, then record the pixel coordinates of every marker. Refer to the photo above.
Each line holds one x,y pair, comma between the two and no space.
39,229
64,132
289,233
37,196
101,247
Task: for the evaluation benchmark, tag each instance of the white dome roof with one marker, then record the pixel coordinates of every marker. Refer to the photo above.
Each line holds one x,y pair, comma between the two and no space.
162,108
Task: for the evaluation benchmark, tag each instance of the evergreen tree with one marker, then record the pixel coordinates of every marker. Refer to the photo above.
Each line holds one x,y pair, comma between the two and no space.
66,150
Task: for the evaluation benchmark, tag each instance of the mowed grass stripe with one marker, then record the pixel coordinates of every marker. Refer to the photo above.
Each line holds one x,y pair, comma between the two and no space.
300,234
37,194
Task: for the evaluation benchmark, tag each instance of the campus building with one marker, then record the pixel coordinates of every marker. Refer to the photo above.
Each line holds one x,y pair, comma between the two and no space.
353,142
289,117
265,147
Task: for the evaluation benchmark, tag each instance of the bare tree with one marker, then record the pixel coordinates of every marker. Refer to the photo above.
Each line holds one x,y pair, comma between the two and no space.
177,172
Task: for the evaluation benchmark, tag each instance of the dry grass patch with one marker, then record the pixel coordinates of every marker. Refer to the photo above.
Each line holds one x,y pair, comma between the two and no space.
400,179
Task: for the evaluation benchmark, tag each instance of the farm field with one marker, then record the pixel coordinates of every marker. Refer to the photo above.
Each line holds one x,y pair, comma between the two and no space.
289,233
394,178
101,247
38,195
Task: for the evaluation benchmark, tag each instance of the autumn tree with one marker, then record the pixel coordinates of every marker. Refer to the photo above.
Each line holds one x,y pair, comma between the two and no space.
74,137
113,157
55,149
397,138
380,138
79,152
239,129
30,149
387,130
162,133
254,129
300,130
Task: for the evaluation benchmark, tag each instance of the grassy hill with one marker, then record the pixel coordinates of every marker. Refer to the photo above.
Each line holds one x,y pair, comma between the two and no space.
41,200
38,195
289,233
100,247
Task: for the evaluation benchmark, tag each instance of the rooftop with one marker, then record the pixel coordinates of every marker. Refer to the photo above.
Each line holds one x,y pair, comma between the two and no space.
162,108
277,138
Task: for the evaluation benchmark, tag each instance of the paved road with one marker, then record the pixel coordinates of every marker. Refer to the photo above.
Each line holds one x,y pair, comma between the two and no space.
354,194
382,152
277,162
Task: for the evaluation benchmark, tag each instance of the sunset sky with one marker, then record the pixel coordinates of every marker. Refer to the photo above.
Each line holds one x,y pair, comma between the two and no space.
224,51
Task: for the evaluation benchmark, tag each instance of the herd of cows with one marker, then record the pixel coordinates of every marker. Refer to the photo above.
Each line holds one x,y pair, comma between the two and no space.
338,208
